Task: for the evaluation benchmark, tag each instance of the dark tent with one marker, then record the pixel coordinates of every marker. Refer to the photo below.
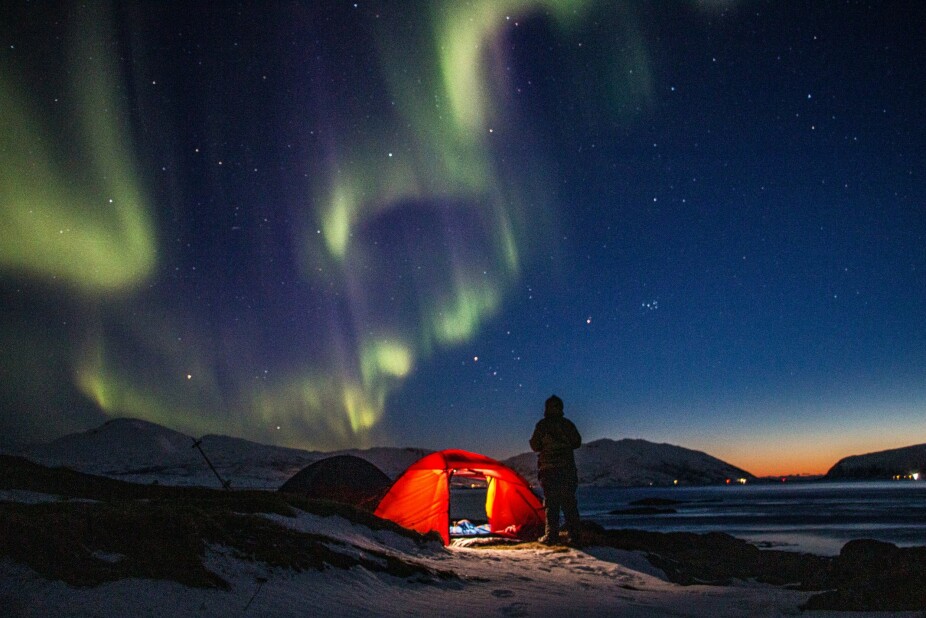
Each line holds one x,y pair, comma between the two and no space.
342,478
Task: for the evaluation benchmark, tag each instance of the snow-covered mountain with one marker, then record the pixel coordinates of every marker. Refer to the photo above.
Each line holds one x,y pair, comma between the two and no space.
882,464
631,462
144,452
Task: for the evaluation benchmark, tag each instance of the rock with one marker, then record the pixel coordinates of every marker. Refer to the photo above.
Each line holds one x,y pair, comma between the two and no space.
874,576
866,576
715,558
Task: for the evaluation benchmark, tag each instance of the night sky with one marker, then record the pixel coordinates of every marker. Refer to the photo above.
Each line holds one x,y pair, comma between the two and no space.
346,224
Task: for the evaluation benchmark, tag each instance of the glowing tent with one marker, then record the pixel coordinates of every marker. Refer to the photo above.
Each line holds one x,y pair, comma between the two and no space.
420,498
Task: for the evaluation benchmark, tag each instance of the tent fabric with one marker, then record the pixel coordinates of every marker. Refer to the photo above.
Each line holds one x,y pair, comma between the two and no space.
341,478
420,498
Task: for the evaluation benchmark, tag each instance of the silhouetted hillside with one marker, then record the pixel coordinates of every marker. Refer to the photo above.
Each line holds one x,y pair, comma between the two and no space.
628,462
882,464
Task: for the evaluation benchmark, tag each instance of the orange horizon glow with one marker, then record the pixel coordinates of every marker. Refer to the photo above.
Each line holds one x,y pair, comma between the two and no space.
771,466
804,456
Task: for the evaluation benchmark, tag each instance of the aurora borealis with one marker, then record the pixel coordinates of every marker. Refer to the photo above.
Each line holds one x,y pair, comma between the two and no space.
346,224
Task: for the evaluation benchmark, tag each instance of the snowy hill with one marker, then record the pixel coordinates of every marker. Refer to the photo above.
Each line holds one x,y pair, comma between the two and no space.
631,462
144,452
882,464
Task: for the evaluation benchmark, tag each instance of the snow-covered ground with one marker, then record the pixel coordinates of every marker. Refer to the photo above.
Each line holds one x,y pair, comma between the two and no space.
505,582
524,581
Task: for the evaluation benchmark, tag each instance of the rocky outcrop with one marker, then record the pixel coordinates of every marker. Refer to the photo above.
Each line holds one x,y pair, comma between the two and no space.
866,576
875,576
715,558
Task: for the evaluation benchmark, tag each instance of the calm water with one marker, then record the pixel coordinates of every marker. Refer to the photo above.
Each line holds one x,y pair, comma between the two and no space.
812,517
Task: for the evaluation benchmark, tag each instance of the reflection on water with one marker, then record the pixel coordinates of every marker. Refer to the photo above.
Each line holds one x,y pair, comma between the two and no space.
817,517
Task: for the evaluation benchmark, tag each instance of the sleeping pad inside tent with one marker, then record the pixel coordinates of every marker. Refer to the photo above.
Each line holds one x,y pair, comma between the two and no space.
420,498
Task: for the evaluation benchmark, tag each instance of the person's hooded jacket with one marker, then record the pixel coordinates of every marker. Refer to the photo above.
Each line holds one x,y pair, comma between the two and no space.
555,438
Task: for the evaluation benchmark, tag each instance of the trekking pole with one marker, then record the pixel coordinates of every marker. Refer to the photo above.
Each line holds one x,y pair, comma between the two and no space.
197,444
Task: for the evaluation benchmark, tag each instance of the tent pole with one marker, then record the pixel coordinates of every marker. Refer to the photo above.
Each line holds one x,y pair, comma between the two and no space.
449,495
197,444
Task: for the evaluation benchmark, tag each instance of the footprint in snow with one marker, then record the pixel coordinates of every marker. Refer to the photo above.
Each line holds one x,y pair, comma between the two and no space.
502,593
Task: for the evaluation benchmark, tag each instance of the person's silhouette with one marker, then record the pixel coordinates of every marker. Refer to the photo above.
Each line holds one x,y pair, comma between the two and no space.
554,439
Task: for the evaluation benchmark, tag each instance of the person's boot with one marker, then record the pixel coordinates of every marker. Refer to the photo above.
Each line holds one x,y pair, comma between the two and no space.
550,538
573,538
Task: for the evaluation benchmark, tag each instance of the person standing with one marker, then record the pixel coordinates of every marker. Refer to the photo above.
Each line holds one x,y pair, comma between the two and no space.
554,439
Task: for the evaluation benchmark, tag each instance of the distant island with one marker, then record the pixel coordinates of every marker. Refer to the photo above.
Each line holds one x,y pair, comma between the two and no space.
908,462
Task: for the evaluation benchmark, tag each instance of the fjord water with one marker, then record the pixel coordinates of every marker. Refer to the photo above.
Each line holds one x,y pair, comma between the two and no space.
814,517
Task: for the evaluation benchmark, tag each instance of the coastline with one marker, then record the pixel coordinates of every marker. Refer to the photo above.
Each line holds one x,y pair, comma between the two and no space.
818,518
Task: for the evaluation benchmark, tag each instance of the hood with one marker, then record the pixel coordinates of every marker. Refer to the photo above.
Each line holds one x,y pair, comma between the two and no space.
553,407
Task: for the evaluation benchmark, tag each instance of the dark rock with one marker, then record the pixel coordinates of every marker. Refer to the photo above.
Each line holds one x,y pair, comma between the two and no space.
866,576
875,576
715,558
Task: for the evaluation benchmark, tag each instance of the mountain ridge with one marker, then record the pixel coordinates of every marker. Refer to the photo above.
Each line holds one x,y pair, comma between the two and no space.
896,462
146,452
638,462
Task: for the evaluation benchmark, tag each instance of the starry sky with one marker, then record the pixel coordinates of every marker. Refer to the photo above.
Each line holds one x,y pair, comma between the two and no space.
344,224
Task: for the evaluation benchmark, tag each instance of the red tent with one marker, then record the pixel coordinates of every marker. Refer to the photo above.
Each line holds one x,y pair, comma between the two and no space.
420,498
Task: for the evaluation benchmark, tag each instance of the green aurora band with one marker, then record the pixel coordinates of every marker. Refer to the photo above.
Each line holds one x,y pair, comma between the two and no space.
86,226
78,219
